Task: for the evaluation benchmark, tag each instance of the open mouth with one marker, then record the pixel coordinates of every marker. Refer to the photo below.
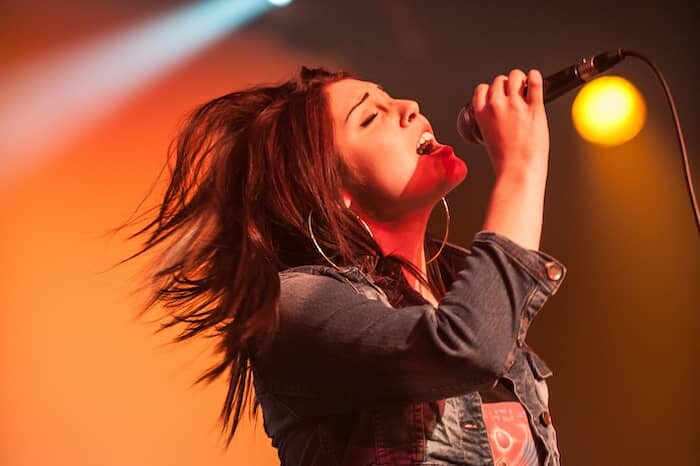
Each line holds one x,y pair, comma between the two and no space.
426,143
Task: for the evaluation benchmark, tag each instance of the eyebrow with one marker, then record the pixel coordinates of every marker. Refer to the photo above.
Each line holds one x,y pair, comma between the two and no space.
364,97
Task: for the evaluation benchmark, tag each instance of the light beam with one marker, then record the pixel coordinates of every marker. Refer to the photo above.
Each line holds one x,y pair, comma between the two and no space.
47,103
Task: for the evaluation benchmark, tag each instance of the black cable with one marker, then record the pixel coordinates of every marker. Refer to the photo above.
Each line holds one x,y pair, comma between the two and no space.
679,131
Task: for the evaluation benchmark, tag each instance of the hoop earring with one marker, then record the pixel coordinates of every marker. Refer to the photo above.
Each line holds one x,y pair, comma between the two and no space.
447,231
364,224
318,246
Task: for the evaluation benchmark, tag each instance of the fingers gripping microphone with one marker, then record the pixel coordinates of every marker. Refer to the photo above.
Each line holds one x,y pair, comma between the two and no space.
553,86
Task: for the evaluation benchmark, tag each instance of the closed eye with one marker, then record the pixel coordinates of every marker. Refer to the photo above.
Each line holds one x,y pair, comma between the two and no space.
366,123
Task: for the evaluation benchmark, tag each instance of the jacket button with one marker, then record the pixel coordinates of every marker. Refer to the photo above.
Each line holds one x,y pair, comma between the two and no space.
546,418
554,271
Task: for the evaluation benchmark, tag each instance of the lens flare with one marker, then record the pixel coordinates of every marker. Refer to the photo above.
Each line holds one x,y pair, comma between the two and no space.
608,111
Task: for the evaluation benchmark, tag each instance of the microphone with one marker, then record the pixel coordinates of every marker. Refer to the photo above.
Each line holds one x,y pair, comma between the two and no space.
553,86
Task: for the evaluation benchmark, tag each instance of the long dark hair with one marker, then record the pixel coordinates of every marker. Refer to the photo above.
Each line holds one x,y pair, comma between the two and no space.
245,171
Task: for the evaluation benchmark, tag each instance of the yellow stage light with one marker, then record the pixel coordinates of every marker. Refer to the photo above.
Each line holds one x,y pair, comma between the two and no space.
608,111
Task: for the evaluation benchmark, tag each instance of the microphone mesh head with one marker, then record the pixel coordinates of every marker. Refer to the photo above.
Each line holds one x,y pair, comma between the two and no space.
467,127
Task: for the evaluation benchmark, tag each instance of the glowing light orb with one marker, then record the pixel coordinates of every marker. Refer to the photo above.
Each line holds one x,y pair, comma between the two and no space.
608,111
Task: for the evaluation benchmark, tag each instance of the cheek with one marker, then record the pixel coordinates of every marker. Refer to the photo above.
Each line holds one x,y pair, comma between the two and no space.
388,170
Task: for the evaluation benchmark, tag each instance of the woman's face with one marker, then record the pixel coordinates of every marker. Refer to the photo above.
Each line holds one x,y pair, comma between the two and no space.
377,138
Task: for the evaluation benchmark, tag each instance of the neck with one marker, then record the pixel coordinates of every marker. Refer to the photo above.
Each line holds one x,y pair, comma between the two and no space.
403,237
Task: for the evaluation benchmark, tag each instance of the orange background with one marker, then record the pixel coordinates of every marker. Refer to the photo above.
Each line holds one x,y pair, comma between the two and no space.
83,383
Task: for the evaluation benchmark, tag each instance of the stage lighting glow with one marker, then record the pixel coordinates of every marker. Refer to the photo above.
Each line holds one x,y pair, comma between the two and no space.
608,111
280,2
47,103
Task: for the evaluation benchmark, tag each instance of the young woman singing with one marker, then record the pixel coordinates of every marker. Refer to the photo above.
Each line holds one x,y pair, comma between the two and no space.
294,232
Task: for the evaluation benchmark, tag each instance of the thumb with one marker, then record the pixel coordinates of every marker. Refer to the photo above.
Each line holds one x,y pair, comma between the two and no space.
535,94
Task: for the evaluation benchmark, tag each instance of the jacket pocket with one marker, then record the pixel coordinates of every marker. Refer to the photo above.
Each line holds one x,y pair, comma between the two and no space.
539,367
540,371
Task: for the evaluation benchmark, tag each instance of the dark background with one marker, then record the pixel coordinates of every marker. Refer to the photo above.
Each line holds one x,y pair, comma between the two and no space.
621,335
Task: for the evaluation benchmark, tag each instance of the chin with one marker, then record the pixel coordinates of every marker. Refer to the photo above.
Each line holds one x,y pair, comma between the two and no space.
455,170
434,178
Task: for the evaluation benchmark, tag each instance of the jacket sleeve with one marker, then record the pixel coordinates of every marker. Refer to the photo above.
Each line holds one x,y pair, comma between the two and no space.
336,349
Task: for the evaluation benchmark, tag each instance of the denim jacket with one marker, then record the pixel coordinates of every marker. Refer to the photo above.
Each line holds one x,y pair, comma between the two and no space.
348,380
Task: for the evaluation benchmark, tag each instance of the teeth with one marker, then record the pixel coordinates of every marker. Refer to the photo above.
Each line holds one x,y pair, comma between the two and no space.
424,142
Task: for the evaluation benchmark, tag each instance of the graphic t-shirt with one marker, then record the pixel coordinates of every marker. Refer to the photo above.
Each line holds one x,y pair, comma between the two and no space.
508,429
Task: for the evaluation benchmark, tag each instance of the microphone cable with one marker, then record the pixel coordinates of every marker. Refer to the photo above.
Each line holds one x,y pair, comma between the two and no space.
679,130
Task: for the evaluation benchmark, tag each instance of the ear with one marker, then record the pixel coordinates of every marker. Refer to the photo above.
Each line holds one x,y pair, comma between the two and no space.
347,200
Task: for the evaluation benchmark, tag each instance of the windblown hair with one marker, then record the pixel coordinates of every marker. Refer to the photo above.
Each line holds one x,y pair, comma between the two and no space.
245,171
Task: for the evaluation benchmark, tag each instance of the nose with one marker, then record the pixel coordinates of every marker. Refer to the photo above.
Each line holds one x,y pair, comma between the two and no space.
409,111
